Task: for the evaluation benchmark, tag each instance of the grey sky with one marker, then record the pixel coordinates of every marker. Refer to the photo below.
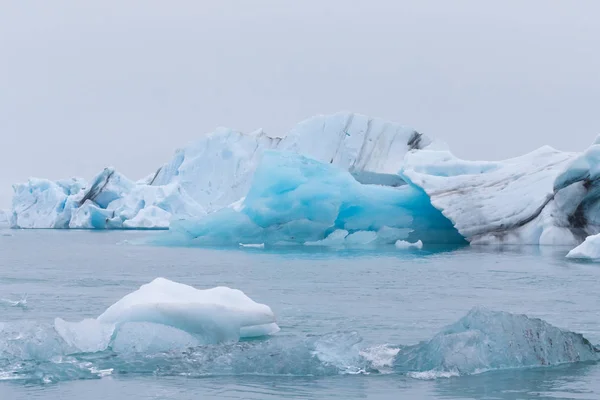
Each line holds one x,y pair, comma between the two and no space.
89,84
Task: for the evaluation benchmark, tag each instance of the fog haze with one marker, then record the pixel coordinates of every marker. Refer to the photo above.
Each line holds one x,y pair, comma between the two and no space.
84,85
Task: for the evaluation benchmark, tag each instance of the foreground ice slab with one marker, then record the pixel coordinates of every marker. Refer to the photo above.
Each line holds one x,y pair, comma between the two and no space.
34,352
485,340
212,315
297,200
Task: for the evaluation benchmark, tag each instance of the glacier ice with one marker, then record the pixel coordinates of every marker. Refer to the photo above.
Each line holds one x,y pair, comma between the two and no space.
297,200
485,340
212,315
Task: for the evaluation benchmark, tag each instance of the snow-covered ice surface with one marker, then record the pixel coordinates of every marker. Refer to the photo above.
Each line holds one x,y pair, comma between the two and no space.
213,315
298,200
489,201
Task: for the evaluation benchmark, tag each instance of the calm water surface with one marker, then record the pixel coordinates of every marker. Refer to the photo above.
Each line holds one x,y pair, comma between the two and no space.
341,299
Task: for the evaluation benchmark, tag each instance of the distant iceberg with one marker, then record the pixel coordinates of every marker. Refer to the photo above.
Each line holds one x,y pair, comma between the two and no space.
213,315
348,169
487,340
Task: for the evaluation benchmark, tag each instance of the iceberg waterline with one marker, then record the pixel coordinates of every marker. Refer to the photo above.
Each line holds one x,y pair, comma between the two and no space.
546,197
483,340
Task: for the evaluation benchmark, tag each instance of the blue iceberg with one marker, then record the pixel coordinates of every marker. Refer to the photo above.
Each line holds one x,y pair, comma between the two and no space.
294,199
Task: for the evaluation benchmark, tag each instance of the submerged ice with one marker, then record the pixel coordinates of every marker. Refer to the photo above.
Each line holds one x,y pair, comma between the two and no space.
486,340
481,341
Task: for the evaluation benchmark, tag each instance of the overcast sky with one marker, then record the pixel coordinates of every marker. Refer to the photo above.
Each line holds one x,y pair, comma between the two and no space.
84,85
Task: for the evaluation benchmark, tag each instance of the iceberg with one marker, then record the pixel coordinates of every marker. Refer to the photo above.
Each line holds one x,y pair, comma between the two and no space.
486,340
4,220
294,199
213,315
110,201
588,250
212,173
546,197
343,180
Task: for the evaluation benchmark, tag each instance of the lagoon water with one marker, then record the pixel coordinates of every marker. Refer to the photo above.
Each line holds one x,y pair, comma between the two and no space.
331,305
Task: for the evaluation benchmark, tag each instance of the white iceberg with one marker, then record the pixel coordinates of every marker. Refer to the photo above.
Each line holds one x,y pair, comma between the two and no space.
486,340
588,250
213,315
491,202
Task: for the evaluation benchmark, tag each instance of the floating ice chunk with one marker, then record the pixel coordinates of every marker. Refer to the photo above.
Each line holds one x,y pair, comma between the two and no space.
401,244
253,245
588,250
485,340
217,314
212,315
